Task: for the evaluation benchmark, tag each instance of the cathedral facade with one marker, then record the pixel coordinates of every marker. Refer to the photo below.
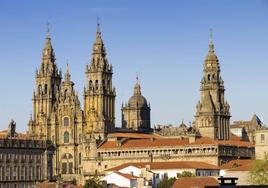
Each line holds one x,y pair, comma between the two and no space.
87,141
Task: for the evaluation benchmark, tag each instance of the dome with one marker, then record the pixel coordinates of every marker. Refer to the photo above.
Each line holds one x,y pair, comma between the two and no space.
137,99
211,57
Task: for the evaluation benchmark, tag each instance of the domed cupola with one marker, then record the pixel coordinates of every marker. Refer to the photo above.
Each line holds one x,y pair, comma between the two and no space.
137,100
136,113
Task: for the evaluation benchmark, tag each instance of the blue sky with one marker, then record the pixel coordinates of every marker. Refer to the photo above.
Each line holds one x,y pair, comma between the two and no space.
164,41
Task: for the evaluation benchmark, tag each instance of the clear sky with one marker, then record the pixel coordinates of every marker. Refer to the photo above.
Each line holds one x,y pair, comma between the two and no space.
164,41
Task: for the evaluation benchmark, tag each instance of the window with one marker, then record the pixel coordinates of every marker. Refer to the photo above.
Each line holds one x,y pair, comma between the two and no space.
39,89
262,138
66,121
65,94
67,164
45,89
80,158
96,84
66,137
64,168
209,77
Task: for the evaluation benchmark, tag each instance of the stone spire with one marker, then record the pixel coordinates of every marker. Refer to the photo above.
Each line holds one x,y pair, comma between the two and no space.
211,57
48,65
48,51
98,46
137,87
67,75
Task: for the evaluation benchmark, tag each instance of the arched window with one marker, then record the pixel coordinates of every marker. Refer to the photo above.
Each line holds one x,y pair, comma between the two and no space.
45,90
67,164
96,84
90,84
209,77
66,121
65,93
66,137
40,89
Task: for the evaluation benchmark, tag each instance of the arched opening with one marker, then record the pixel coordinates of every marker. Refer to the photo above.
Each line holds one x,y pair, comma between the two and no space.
39,89
66,121
67,164
45,90
65,93
66,137
96,84
209,77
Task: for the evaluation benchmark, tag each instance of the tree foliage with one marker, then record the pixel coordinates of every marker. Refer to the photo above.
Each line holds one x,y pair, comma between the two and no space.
185,174
93,182
258,174
166,183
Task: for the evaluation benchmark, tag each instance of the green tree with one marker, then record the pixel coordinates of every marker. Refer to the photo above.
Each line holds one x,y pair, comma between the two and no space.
185,174
166,183
93,182
258,174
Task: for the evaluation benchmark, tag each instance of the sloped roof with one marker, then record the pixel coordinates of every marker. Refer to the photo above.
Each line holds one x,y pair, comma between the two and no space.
128,176
133,143
164,142
134,135
237,165
190,182
169,165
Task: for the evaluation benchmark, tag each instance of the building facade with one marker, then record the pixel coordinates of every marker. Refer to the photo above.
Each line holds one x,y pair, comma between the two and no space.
87,142
24,161
261,143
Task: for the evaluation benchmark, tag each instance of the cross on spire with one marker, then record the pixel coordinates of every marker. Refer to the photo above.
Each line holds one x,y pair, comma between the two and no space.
48,30
211,45
137,77
98,24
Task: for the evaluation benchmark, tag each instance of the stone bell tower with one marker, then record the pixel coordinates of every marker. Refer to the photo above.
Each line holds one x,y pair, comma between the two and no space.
99,94
212,111
48,80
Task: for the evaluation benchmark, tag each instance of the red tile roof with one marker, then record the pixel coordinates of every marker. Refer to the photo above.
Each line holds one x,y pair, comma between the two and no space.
237,165
199,182
132,143
134,135
162,142
169,165
128,176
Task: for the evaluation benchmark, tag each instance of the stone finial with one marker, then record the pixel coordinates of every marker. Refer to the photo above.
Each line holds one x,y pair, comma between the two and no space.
12,128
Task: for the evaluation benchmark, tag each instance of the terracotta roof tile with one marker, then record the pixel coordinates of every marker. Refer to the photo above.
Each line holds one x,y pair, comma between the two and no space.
132,143
235,142
163,142
134,135
128,176
237,165
190,182
169,165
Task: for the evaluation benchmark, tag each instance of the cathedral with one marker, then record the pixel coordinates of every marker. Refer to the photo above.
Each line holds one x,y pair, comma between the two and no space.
86,139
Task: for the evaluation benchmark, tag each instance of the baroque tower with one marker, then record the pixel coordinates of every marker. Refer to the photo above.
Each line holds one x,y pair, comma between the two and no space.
48,80
212,111
67,130
136,114
99,94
